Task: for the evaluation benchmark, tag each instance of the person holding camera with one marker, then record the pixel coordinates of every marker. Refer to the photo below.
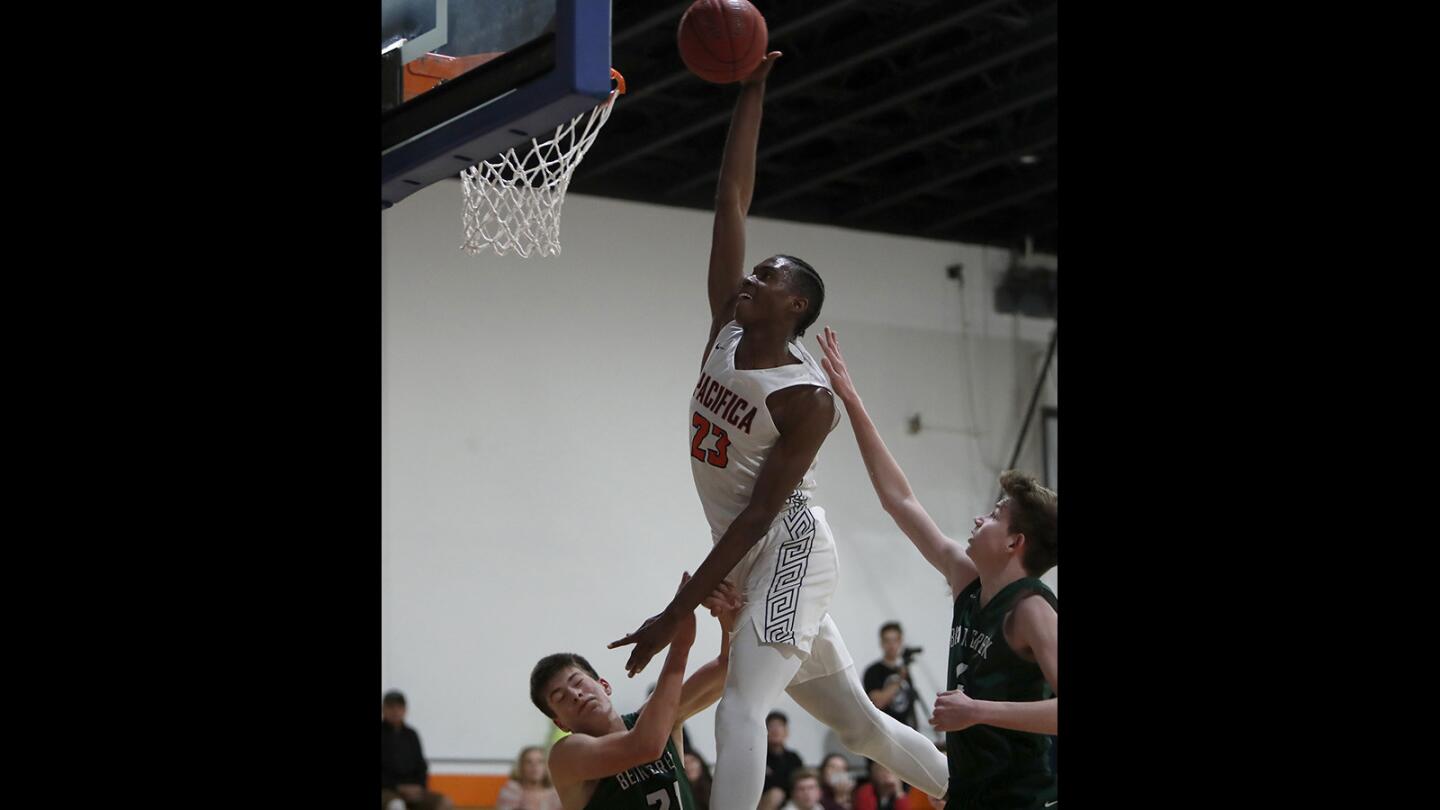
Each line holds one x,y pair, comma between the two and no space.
887,681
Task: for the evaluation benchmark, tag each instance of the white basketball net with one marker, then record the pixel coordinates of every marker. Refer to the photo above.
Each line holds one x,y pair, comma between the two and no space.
512,203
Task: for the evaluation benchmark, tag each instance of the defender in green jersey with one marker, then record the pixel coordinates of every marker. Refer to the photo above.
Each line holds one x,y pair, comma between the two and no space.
1003,670
635,761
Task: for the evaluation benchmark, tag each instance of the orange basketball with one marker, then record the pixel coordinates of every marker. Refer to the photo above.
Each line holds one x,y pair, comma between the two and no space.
722,41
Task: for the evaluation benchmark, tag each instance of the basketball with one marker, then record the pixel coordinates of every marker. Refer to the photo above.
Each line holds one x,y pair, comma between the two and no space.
722,41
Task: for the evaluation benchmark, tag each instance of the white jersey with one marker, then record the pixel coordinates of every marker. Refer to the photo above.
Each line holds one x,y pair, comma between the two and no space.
731,431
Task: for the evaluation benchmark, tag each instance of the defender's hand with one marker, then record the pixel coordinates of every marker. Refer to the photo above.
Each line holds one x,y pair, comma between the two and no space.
725,603
834,364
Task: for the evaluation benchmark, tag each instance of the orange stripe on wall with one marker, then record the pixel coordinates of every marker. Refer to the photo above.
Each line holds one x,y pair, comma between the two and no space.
918,799
469,790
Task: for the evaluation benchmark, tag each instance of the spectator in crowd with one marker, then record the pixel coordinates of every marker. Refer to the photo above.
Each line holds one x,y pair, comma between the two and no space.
780,762
882,792
804,790
837,788
698,772
529,787
404,774
887,681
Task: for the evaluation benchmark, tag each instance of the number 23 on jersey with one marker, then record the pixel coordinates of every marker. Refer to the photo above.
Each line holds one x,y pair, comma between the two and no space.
716,456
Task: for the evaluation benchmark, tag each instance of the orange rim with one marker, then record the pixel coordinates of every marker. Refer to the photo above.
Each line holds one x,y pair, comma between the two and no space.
619,81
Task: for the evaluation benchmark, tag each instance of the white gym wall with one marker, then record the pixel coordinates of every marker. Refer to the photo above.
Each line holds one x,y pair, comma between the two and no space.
537,494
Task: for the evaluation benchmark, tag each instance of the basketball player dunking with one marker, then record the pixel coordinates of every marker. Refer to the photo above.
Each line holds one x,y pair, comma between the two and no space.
759,413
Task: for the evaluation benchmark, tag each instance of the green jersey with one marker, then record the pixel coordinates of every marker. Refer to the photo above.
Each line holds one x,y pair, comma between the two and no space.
995,767
658,785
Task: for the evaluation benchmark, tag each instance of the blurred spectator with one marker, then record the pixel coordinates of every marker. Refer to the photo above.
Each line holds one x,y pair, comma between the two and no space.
780,762
837,787
404,775
882,792
887,681
529,787
698,772
804,790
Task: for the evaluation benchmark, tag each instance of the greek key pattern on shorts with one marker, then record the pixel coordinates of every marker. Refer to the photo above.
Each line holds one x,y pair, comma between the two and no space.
783,600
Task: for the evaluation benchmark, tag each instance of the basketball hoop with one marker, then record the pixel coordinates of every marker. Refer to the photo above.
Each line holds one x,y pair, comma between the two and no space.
512,202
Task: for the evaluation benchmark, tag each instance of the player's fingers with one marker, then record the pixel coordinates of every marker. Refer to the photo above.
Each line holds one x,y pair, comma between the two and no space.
629,639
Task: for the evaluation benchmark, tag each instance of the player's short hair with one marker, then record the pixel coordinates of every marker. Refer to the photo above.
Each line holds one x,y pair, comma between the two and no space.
1033,514
777,715
890,626
392,698
546,669
805,281
803,773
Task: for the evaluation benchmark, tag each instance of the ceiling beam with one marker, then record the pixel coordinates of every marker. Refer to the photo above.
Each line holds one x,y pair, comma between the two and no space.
904,89
920,28
1028,91
674,12
1018,193
932,178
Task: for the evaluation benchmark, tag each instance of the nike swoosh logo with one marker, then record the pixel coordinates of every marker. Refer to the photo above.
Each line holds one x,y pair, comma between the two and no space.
1047,804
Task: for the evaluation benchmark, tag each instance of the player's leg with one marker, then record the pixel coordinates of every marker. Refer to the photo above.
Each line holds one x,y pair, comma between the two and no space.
758,675
829,689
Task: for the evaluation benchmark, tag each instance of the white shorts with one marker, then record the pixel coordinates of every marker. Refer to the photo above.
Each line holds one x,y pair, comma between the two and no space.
788,579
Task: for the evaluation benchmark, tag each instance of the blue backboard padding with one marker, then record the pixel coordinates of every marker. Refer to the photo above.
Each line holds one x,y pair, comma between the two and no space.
579,81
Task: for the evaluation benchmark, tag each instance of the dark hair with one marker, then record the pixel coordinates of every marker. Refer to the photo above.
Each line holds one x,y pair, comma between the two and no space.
393,698
891,626
810,286
777,716
825,789
804,773
1033,514
701,787
546,669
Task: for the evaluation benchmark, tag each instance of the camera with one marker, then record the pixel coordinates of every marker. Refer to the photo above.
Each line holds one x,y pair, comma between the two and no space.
909,653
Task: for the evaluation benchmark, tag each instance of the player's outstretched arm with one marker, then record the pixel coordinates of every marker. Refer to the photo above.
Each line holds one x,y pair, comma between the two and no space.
733,193
804,422
580,757
703,688
1036,631
896,496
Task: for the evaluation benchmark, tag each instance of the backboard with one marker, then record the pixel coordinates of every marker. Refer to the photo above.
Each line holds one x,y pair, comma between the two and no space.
462,80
